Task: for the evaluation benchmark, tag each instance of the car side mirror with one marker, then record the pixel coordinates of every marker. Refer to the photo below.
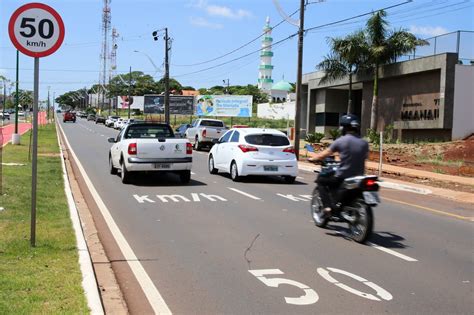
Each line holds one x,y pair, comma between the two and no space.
111,140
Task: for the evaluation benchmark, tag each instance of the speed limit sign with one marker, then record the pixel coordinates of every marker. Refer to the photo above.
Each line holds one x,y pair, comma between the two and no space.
36,30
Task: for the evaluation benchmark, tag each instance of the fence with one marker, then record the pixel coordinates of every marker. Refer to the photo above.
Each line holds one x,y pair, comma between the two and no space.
460,42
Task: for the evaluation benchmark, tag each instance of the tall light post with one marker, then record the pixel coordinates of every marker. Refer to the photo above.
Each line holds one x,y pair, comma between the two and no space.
167,73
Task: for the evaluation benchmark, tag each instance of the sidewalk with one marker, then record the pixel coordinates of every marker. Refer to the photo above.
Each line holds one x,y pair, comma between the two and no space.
417,188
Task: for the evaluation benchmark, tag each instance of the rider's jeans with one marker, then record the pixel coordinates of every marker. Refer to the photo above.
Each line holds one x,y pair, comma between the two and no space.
326,184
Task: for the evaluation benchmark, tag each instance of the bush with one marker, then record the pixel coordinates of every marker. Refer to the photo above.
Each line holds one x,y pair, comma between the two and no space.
335,133
374,137
316,137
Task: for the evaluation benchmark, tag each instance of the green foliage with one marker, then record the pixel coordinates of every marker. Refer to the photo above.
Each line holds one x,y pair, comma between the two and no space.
335,133
90,110
316,137
374,137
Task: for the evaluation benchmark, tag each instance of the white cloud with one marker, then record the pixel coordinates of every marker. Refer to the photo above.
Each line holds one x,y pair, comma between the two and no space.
428,31
227,12
202,22
220,11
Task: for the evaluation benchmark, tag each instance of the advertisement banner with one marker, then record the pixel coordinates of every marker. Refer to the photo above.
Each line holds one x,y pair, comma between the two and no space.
224,105
179,105
136,102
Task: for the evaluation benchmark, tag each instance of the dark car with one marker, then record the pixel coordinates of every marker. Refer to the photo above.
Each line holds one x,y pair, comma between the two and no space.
91,117
100,120
179,132
69,116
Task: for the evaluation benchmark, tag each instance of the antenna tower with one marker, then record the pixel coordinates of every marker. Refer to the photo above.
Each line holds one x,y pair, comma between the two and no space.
106,18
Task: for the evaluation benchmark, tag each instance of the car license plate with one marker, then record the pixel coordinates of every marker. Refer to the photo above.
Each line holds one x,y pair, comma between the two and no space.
270,168
371,198
162,166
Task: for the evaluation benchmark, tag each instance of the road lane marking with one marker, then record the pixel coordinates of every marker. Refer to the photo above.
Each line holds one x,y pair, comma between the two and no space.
381,292
392,252
244,193
430,209
154,297
294,198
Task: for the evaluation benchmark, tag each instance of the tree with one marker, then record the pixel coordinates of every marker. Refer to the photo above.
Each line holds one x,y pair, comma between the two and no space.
25,98
348,55
384,47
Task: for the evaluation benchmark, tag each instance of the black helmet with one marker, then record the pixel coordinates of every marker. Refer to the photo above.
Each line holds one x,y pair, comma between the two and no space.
349,122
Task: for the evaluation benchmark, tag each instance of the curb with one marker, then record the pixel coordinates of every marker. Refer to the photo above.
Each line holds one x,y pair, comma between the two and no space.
89,282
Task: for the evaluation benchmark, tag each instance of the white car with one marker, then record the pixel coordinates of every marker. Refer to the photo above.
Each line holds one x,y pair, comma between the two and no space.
150,147
254,151
118,123
109,122
126,122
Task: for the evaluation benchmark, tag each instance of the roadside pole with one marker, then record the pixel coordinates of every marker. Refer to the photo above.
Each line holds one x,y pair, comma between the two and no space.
16,136
167,78
380,154
129,90
34,162
298,81
36,30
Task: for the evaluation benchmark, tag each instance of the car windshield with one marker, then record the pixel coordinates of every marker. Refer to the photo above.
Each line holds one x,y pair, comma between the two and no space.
152,131
267,139
212,123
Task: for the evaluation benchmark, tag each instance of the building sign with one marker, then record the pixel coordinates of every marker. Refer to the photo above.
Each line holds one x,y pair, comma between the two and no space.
179,105
224,105
418,110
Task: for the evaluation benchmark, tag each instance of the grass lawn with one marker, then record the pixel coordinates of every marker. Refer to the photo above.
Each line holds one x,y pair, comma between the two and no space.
45,279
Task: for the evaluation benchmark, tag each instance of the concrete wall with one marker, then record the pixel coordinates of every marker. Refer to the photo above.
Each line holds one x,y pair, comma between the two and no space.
463,115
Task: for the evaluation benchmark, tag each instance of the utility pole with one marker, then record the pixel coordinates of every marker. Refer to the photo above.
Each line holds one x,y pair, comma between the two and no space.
227,88
129,90
298,80
4,99
47,113
54,107
167,79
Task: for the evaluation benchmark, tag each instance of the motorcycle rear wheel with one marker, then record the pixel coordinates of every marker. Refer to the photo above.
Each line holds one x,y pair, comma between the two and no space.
361,229
317,213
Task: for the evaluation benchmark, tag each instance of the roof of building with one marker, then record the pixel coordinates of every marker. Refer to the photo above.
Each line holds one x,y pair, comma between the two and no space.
189,93
282,86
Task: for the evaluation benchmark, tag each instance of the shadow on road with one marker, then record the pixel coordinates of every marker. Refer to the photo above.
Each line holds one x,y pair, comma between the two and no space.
162,180
380,238
253,179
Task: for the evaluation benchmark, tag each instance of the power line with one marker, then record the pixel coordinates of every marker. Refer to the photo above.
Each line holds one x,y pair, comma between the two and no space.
236,49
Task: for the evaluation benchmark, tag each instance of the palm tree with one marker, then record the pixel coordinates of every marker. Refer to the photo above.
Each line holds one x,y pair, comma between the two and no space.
385,47
348,56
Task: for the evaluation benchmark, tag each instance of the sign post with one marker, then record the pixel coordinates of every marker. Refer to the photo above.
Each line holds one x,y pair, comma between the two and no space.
36,30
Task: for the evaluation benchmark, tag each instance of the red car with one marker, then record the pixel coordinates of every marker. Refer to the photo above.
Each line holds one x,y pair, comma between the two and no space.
69,116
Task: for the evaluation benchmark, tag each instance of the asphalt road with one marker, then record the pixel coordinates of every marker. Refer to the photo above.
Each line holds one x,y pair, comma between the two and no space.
251,247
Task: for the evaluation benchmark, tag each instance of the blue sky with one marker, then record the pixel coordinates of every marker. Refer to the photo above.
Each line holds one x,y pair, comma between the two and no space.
202,30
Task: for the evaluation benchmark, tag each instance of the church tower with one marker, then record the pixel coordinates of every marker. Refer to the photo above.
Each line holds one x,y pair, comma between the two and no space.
265,80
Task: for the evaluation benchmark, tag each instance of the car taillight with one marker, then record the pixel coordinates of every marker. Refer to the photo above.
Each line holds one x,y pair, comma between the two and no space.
371,184
189,148
289,150
132,149
247,148
204,133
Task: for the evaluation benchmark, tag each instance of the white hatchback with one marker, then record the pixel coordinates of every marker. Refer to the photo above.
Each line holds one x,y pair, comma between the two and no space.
254,151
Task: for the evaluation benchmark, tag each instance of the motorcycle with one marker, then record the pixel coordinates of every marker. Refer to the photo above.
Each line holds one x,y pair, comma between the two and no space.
351,203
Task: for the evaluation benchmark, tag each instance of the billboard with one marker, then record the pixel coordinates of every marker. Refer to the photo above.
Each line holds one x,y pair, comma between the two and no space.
179,105
136,102
224,105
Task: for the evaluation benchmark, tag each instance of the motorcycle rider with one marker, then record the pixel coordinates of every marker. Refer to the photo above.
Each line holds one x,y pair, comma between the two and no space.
353,151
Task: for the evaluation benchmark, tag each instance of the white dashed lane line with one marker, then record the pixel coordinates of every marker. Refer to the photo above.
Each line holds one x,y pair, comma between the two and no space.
244,193
392,252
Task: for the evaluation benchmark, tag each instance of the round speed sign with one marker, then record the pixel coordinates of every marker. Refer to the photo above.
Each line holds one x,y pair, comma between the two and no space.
36,30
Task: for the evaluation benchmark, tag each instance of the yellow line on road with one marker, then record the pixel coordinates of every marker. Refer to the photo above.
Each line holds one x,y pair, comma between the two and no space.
431,209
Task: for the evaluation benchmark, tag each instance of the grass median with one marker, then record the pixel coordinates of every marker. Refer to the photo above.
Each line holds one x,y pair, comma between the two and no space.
45,279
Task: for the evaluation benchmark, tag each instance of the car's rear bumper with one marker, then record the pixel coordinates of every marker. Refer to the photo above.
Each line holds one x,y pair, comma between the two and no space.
257,167
142,164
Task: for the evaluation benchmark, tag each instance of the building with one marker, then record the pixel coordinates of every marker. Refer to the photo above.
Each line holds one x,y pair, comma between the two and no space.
425,99
265,69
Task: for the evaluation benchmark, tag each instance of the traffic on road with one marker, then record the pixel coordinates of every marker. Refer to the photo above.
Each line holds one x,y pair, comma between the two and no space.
211,239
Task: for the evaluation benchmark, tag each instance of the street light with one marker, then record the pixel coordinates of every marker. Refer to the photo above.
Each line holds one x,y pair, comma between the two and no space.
157,69
167,72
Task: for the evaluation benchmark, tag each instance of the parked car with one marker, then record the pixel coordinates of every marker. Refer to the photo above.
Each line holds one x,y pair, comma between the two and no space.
100,120
118,123
82,115
254,151
21,113
69,116
91,117
109,122
204,131
5,115
181,130
150,147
